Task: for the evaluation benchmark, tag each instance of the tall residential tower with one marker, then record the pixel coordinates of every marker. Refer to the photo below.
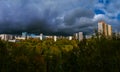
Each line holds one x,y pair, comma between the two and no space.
104,28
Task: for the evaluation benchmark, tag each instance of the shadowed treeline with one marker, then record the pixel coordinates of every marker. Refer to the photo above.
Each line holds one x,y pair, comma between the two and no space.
91,55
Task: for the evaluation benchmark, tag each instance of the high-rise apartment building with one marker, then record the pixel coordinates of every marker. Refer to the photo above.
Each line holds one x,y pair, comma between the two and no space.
104,28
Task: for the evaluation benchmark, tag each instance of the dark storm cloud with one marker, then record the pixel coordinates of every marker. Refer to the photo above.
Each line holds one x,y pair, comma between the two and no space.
77,20
55,16
40,26
71,17
25,15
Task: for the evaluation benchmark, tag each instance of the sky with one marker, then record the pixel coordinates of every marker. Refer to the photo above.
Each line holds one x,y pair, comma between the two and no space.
60,17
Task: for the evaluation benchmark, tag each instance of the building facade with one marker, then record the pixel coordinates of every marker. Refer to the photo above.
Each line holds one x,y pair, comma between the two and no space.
80,36
104,29
109,30
6,37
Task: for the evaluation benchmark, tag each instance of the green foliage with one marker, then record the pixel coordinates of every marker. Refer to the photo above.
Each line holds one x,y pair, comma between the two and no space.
99,54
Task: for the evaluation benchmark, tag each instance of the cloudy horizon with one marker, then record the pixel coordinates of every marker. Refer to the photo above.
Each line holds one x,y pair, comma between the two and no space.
57,16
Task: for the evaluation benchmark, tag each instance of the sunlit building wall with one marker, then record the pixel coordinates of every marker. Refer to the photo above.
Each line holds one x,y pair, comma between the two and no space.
104,28
109,30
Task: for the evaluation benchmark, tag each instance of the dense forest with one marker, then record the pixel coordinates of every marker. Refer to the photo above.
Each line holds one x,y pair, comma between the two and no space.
98,54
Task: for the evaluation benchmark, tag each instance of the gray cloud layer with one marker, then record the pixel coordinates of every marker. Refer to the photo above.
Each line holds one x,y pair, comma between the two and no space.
55,16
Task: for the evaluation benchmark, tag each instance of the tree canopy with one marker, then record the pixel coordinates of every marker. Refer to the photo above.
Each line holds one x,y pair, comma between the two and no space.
33,55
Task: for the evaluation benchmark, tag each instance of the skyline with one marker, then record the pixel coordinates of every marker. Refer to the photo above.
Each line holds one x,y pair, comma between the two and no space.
55,16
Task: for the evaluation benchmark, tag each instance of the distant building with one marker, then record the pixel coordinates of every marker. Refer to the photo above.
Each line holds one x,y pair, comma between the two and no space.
6,37
24,35
104,29
70,38
109,30
41,36
80,36
19,38
55,38
13,41
76,36
48,37
88,36
32,35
